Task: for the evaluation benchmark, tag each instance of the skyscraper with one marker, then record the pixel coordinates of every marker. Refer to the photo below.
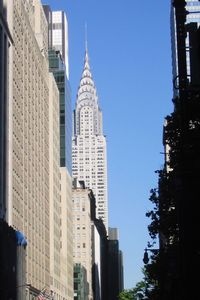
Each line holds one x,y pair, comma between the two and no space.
59,65
39,194
59,36
57,282
28,148
58,33
62,279
89,161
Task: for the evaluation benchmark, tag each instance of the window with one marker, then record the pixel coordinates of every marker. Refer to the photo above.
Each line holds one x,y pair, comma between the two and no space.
57,26
75,285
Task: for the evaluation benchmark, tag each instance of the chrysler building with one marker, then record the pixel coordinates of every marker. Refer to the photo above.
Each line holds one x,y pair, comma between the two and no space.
89,161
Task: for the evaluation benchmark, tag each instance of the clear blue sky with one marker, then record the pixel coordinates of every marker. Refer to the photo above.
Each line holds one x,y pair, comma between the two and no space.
130,58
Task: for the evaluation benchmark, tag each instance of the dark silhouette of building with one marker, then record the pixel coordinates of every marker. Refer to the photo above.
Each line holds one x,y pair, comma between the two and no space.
121,271
8,262
182,135
115,265
177,218
12,263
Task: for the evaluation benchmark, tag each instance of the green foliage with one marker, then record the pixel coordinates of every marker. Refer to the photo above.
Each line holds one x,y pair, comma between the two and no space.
136,293
127,295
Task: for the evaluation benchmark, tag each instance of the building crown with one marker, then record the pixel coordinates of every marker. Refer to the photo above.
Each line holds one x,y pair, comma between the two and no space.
87,89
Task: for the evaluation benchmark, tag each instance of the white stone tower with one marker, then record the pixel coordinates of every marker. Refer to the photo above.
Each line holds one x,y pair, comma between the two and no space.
89,161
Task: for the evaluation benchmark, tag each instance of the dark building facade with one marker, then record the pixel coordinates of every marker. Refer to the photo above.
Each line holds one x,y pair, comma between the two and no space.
110,283
177,221
121,271
115,265
108,276
8,262
12,263
181,178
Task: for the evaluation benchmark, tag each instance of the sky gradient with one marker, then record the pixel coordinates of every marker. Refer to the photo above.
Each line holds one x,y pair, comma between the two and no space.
130,59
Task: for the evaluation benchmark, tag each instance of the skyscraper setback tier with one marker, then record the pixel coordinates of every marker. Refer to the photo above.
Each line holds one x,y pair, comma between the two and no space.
89,160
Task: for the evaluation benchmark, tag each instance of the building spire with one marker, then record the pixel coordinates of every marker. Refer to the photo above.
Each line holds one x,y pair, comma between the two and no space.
87,89
86,63
86,42
86,49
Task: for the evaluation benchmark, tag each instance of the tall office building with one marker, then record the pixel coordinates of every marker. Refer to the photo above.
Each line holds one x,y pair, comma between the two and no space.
58,282
60,36
59,65
58,55
58,33
89,161
60,44
28,148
